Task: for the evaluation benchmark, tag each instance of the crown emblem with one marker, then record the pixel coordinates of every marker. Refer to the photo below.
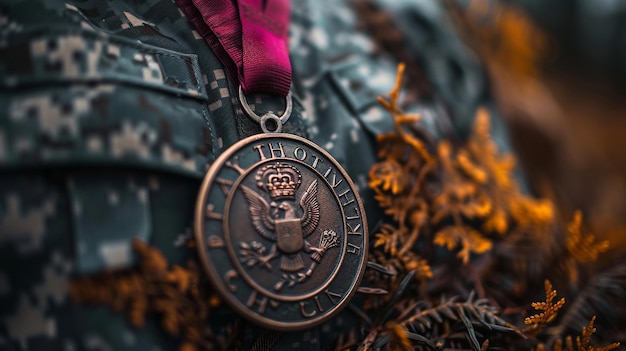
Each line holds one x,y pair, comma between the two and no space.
280,180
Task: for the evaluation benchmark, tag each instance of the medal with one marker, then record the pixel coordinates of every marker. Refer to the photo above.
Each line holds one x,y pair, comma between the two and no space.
279,225
281,231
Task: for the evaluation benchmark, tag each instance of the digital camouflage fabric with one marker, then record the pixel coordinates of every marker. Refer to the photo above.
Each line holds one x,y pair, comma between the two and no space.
111,112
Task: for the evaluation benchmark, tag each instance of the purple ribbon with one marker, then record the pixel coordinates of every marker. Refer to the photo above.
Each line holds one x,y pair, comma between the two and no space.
250,37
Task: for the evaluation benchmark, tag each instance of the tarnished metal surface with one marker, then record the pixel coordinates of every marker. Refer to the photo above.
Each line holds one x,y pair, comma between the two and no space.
281,231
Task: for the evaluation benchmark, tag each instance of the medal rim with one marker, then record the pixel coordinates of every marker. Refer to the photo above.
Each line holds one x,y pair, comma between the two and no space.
202,249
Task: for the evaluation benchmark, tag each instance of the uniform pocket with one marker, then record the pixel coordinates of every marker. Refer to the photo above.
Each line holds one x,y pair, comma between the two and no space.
112,117
86,98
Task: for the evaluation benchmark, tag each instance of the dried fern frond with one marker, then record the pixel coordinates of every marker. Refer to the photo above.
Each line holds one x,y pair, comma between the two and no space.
174,294
539,321
599,297
388,238
426,327
413,262
388,176
465,199
397,181
583,248
493,172
400,118
472,314
468,239
459,198
583,341
479,311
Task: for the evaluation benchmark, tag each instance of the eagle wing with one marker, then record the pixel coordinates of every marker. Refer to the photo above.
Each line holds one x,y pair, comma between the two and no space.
311,216
260,213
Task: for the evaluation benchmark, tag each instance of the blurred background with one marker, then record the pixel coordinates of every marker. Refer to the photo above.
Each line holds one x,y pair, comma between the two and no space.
558,73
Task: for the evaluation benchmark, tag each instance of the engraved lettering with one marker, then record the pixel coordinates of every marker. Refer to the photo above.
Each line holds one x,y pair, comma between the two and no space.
334,183
253,300
225,184
344,196
211,214
215,242
305,313
230,275
317,302
235,165
317,308
315,161
328,172
275,149
354,230
353,249
333,297
356,216
259,148
299,153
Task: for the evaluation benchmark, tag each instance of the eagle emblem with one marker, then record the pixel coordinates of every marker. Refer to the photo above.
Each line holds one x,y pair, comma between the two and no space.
279,220
282,235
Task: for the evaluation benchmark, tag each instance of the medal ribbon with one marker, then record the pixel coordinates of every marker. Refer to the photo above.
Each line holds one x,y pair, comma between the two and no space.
249,37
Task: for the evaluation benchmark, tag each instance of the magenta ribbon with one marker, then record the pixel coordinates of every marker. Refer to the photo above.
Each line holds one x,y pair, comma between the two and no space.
249,37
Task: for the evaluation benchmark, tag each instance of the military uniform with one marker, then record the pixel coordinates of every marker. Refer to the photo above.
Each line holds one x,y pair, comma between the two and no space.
112,111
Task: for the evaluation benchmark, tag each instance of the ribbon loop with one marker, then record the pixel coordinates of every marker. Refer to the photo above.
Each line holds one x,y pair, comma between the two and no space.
267,120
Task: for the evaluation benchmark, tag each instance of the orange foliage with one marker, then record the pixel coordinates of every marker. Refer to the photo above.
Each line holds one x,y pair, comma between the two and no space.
153,289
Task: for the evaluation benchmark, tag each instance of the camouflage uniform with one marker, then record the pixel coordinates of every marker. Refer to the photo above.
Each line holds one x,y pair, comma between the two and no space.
112,111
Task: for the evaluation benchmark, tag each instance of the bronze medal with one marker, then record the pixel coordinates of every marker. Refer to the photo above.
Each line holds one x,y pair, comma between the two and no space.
281,231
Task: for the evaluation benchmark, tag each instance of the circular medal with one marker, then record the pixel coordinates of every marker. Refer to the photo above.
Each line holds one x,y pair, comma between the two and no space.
281,231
